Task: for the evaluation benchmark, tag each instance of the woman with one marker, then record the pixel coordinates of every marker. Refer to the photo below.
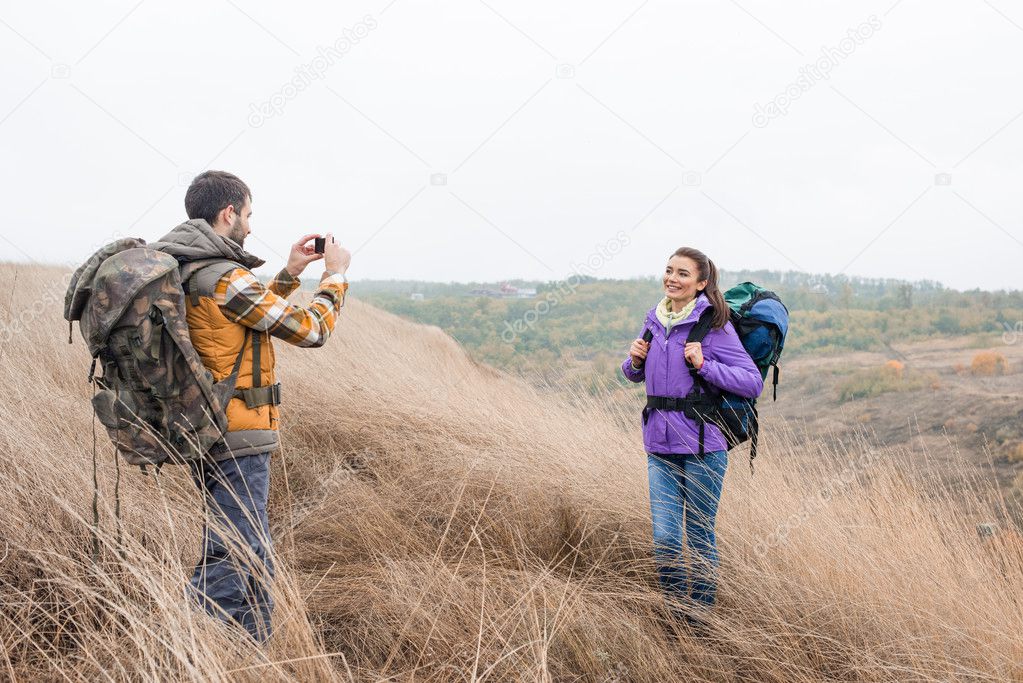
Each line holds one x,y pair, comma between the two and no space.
685,487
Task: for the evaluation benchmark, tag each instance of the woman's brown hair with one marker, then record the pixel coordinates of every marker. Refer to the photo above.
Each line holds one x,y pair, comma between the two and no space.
708,272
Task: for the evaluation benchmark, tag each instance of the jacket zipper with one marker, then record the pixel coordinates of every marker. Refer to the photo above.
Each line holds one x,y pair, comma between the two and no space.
667,373
667,376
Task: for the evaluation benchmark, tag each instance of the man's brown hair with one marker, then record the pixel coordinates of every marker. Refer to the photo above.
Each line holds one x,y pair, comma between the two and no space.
213,191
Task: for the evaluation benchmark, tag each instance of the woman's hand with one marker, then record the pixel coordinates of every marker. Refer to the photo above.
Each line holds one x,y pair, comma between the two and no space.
694,354
638,352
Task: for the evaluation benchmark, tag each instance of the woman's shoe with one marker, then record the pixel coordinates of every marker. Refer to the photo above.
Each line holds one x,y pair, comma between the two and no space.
689,619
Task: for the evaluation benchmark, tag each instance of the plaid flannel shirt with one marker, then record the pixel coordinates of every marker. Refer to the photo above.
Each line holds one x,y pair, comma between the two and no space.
243,299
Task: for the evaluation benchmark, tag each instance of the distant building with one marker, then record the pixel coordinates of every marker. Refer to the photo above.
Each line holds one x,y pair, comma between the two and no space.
416,296
506,291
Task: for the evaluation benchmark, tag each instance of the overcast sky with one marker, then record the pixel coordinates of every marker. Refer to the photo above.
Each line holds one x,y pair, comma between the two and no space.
483,140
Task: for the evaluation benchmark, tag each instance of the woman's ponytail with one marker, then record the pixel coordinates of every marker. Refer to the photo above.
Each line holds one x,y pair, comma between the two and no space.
709,272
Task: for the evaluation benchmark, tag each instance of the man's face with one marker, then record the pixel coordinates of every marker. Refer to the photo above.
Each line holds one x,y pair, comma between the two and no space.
240,226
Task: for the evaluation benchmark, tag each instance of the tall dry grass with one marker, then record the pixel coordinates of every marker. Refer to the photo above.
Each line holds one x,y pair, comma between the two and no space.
436,520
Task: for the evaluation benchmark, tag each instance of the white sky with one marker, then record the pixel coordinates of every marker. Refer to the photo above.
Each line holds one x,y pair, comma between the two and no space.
108,109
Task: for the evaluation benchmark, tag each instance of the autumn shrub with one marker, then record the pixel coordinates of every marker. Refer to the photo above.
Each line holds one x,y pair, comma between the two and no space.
989,364
895,368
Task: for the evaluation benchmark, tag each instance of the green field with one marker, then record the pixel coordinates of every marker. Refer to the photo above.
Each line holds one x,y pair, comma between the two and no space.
591,322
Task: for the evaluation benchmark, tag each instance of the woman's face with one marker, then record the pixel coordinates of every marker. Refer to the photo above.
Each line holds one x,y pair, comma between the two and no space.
681,280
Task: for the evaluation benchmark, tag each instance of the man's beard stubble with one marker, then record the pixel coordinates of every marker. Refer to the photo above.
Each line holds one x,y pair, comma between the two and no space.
237,234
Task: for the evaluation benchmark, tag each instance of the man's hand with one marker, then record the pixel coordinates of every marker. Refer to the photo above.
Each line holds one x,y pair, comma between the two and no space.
302,254
336,258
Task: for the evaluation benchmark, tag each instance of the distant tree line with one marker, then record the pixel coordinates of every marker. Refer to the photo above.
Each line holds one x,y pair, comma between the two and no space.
592,321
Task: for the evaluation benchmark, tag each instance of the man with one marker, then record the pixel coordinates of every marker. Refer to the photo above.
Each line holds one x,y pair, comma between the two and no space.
231,318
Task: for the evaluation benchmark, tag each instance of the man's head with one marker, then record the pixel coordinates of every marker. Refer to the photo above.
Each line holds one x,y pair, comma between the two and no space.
223,201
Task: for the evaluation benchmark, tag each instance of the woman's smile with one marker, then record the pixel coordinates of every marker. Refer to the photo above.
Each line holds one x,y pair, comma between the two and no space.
681,280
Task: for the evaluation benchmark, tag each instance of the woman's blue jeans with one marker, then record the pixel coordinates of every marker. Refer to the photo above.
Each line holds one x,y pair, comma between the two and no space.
684,494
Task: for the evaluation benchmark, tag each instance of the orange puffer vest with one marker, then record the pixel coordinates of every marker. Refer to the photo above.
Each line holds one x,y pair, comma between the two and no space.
252,419
223,346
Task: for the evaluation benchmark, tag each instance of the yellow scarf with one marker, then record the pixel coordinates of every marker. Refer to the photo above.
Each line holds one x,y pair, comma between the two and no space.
669,318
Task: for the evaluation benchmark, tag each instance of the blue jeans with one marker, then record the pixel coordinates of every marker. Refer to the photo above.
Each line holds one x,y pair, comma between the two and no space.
684,494
232,579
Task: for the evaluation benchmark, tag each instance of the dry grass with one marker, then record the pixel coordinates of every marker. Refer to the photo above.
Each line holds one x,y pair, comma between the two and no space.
436,520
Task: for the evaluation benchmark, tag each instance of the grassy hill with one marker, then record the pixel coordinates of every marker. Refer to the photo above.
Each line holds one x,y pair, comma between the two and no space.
437,519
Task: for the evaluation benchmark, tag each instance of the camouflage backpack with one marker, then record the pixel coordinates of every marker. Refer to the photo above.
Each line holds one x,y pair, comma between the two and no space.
157,401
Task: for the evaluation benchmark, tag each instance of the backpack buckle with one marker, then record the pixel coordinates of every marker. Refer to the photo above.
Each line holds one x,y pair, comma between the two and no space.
257,397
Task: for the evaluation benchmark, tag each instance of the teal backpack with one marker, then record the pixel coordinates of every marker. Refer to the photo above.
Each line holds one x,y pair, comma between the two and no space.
762,322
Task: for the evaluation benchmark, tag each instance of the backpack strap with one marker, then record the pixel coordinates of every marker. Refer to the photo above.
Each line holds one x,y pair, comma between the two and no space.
698,334
257,361
754,438
259,395
702,326
241,354
199,278
237,361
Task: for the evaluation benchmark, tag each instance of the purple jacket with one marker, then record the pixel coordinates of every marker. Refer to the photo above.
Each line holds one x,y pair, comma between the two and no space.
726,366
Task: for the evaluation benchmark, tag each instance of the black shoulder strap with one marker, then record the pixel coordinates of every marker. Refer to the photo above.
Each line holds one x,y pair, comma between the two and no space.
698,334
257,363
702,326
700,386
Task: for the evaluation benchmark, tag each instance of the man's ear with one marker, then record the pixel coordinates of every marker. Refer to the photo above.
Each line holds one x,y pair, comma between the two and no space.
226,216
